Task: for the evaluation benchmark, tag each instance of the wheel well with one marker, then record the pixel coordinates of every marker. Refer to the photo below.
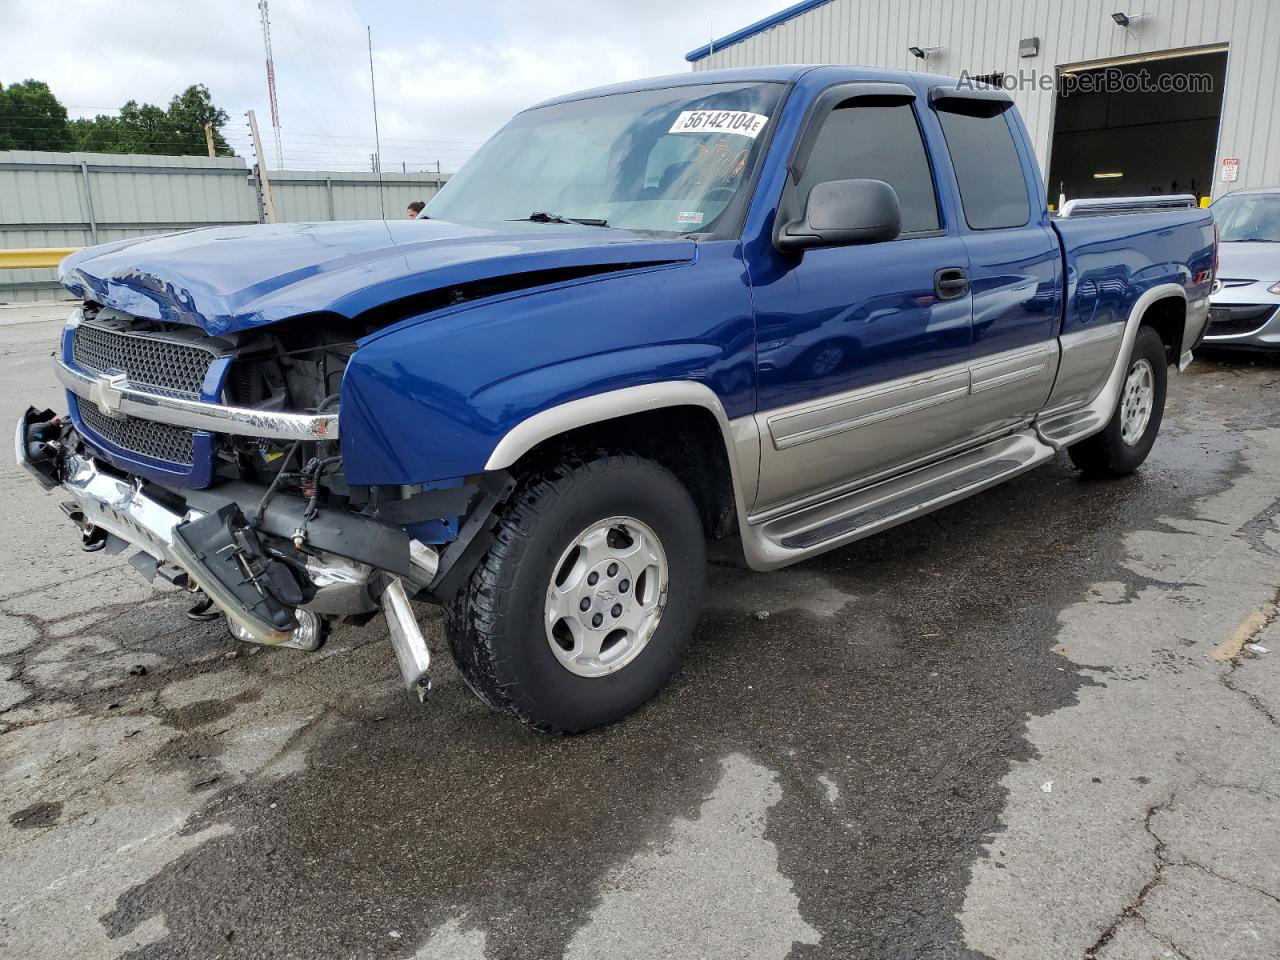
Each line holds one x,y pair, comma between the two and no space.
1168,317
684,439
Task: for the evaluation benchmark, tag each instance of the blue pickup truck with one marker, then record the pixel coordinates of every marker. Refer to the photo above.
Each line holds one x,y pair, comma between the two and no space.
788,306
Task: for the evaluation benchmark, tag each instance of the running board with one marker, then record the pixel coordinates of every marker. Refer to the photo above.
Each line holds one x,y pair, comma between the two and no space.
1062,430
861,513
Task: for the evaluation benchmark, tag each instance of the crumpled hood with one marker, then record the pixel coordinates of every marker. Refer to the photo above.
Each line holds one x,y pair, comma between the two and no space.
226,279
1249,260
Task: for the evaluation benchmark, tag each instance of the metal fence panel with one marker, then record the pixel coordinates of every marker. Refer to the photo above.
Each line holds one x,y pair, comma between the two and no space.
77,199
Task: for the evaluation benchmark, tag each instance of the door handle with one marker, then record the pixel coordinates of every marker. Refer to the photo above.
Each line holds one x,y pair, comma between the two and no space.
950,283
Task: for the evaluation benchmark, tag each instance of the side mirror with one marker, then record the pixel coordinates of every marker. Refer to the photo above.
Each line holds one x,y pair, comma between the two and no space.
841,212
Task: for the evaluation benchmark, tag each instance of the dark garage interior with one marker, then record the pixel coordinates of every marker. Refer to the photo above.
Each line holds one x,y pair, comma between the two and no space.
1133,140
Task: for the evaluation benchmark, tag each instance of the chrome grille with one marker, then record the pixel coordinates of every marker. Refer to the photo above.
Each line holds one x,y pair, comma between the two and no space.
158,441
164,365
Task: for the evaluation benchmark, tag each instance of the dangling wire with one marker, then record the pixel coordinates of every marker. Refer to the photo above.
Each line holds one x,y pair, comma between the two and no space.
275,483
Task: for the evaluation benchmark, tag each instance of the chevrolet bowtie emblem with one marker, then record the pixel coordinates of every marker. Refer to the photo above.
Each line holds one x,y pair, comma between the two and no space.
105,393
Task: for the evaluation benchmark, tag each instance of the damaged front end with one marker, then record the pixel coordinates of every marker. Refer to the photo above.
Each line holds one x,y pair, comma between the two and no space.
218,459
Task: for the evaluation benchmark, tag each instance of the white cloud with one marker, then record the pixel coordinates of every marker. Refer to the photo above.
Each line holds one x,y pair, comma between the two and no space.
447,76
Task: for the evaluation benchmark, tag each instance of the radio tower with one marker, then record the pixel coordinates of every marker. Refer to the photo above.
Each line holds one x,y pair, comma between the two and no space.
271,83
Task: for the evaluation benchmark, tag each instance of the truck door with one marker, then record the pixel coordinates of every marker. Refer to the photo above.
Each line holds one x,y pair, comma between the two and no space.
862,350
1014,258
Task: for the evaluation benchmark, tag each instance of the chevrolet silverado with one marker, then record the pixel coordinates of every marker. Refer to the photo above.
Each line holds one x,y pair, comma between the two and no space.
786,307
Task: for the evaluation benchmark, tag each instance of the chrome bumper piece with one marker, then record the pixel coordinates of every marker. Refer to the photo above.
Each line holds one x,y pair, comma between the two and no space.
406,638
119,507
114,397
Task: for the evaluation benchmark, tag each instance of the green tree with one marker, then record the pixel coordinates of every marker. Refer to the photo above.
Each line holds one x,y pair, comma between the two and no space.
146,128
188,112
31,118
100,134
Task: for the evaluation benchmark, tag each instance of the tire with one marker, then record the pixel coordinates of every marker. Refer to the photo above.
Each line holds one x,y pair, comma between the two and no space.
520,657
1122,446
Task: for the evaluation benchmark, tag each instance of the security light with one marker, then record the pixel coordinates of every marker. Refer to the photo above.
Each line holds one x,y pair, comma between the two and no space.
1125,20
922,53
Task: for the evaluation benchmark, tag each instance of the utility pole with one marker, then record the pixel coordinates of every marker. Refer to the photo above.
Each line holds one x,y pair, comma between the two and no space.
377,141
264,182
208,139
271,82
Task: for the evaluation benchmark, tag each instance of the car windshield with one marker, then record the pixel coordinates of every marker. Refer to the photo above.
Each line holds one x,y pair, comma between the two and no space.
1248,216
668,162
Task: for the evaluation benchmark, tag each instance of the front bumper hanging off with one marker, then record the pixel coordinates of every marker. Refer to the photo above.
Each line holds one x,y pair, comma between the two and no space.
109,506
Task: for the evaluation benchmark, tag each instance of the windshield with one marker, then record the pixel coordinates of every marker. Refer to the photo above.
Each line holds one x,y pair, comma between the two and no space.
667,162
1248,216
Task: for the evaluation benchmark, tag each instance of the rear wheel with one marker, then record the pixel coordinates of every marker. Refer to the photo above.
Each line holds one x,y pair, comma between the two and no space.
582,607
1125,442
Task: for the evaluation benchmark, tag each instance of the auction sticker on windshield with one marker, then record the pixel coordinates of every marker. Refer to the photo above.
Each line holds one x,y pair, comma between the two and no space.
719,121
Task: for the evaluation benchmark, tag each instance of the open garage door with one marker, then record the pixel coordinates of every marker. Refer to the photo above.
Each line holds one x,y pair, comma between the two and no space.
1144,125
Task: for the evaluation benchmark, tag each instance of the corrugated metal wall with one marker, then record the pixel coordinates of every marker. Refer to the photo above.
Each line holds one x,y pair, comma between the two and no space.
75,199
306,195
981,36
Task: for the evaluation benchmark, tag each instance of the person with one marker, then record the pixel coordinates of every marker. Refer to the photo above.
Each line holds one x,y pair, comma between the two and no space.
415,208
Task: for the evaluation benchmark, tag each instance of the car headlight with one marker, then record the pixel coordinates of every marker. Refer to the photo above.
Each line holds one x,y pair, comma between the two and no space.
1274,288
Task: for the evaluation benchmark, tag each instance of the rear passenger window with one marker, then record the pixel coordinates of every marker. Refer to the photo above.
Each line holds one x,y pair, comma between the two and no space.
992,189
877,143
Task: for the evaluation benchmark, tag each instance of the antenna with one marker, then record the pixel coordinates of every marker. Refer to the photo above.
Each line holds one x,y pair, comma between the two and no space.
271,82
377,143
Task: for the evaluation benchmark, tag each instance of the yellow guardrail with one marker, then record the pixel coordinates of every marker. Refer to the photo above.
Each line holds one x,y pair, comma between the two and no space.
34,257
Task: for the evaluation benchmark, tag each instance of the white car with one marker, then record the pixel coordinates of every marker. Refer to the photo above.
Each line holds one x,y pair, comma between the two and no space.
1245,303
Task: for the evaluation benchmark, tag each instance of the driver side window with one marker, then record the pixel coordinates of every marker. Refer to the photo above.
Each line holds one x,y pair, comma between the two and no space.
876,142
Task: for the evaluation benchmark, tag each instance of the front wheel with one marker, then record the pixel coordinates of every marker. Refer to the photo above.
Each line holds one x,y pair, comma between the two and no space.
582,607
1124,443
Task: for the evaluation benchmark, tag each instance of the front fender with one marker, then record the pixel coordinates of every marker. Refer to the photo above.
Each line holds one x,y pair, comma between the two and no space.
432,400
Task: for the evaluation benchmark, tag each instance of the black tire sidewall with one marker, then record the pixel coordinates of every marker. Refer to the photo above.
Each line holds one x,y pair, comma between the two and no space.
539,686
1127,457
1106,453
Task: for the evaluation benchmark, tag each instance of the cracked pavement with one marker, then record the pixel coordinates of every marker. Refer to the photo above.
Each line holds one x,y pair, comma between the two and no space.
1039,724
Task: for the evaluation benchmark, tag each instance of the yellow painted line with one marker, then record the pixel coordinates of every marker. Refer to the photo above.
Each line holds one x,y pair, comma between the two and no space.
1231,647
34,257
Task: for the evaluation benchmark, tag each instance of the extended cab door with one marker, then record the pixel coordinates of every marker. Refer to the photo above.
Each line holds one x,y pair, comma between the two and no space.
1015,263
862,350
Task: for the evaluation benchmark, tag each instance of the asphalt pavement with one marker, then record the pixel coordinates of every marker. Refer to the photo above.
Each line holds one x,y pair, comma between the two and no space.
1043,723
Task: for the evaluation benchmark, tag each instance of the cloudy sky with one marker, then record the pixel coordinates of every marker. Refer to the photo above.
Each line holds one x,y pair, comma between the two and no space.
448,74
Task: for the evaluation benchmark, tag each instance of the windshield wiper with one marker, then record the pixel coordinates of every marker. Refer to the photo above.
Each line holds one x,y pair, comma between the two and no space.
541,216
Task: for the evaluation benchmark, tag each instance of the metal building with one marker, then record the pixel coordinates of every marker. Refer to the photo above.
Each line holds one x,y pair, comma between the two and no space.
1121,97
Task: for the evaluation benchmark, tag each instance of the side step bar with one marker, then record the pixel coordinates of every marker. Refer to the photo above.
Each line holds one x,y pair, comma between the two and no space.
851,516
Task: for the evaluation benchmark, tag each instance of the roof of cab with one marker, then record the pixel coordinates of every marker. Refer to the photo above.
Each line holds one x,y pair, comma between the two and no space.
783,73
775,74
